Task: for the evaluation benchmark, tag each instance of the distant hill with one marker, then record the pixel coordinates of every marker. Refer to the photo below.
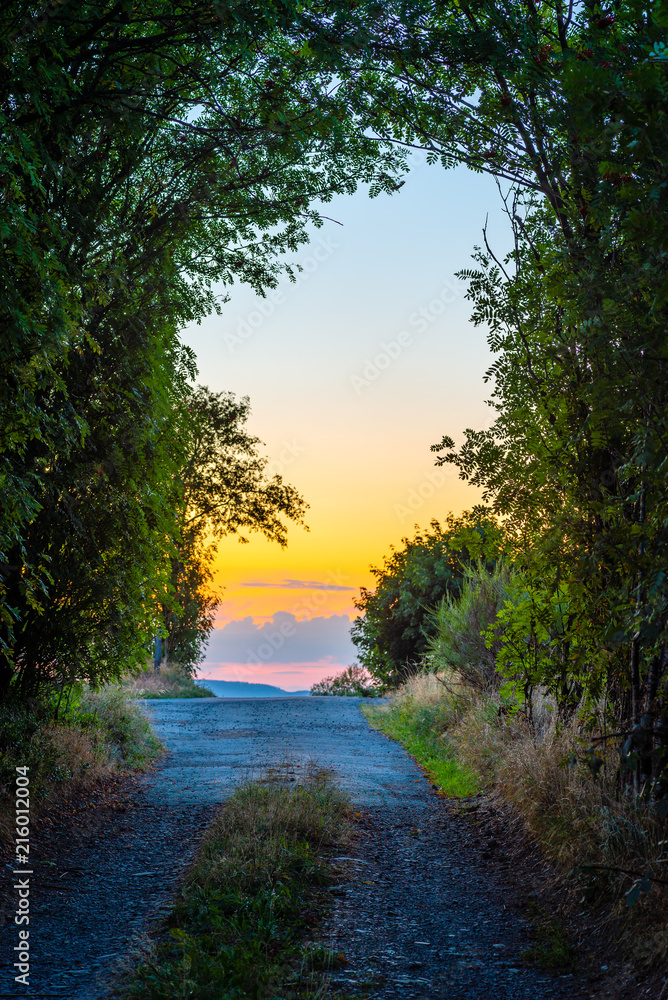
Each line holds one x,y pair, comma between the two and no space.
244,689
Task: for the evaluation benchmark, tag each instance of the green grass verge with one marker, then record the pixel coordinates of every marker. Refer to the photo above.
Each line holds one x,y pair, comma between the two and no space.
421,730
239,926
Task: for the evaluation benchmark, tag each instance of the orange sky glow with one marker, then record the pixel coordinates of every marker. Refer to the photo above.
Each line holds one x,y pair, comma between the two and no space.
352,372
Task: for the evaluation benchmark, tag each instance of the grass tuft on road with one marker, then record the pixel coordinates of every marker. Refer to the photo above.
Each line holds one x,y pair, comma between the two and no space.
240,924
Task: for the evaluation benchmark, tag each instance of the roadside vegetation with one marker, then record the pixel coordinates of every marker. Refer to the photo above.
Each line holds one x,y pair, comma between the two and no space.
610,847
168,682
353,682
243,918
420,716
474,725
174,159
71,745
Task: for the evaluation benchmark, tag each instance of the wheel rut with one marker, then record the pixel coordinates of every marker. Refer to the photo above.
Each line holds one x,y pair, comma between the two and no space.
418,913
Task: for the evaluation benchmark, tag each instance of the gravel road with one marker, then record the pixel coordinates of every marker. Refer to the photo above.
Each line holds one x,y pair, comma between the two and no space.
418,913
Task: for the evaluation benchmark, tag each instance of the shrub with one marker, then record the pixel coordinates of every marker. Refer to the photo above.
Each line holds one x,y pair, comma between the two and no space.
353,682
458,626
392,632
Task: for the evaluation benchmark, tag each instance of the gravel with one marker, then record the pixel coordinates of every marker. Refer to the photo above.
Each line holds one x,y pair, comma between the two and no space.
419,912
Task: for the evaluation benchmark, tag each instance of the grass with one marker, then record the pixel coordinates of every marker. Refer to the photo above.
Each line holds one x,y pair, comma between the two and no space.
99,733
584,822
419,718
602,841
169,683
241,921
551,948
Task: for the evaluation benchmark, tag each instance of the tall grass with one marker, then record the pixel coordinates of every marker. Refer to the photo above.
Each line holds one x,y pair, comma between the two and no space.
169,683
239,923
608,846
581,814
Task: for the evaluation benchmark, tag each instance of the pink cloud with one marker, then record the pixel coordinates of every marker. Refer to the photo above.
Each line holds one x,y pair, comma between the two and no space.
289,676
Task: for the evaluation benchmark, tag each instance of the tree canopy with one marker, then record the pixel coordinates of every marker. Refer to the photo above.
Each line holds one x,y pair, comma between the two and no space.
222,489
149,150
393,633
565,105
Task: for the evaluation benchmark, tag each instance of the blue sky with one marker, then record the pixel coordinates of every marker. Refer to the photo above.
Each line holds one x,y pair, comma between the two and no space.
353,372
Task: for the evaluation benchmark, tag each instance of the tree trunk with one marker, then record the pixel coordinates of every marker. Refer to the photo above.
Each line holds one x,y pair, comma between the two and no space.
157,655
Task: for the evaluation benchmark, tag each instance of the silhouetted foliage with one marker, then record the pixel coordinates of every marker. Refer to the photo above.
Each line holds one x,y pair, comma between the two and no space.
394,631
222,490
149,150
353,682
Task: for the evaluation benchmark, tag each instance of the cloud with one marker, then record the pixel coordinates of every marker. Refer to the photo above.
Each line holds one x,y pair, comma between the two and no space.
283,639
297,585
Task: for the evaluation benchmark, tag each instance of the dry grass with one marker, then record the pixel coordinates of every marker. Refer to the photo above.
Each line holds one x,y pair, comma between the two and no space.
169,683
101,732
256,822
596,833
544,771
443,690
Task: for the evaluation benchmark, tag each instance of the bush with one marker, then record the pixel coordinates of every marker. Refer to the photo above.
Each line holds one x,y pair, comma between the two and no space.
353,682
458,627
99,732
393,632
120,729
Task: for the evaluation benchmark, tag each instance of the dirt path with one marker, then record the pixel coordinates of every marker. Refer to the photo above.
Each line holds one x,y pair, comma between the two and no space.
425,916
420,915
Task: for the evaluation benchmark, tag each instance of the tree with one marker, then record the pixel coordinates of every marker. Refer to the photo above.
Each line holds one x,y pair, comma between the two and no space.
149,150
222,490
396,625
566,104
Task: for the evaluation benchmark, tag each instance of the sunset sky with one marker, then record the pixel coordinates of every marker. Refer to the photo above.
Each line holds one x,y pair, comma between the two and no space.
352,372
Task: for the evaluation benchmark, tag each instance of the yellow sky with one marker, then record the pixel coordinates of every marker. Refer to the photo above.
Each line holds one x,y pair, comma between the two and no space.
337,551
352,374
